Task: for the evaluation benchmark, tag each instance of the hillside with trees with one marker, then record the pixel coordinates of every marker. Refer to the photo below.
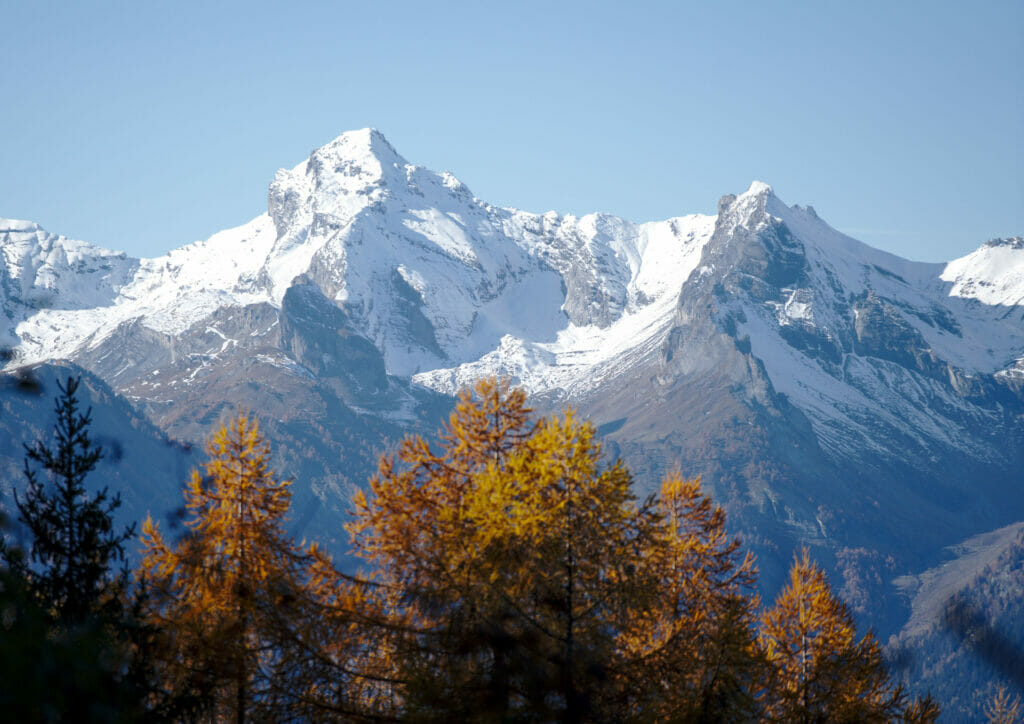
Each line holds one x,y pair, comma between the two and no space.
973,648
509,573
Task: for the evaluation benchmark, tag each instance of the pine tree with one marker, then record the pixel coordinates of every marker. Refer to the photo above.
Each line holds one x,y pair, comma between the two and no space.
74,546
820,671
921,710
67,650
238,606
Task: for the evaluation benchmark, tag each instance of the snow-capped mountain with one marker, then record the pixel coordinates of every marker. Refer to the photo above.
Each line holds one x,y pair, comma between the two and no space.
434,277
827,391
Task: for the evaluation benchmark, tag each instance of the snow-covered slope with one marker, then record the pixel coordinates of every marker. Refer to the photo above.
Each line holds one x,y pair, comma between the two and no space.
90,291
994,274
653,262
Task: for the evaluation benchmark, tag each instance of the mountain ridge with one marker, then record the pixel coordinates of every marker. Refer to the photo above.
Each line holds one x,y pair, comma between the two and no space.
317,211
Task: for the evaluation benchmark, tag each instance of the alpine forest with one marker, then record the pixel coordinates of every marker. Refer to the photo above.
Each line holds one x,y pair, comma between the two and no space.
506,572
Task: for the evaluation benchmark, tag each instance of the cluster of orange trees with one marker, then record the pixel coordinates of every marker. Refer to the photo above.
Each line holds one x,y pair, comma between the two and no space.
509,575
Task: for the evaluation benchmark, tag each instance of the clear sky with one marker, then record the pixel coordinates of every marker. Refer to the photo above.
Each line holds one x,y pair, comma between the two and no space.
143,126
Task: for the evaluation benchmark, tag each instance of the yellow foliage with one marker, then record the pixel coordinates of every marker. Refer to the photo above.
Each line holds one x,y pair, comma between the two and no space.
820,671
530,582
693,639
242,611
512,575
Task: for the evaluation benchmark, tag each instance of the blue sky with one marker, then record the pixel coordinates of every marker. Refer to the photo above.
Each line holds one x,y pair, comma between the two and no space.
144,126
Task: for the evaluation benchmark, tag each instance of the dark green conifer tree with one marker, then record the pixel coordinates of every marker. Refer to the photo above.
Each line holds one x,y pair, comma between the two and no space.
70,625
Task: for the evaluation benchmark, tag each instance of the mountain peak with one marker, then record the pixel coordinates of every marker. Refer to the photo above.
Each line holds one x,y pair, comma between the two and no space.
338,179
360,146
1012,242
748,208
18,225
758,188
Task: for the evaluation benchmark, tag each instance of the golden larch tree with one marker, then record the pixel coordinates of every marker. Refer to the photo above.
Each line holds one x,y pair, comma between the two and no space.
529,583
238,607
820,670
1003,707
693,644
414,530
510,550
563,539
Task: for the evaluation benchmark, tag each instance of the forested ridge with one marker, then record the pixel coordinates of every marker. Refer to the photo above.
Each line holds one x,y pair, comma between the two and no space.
508,573
972,646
